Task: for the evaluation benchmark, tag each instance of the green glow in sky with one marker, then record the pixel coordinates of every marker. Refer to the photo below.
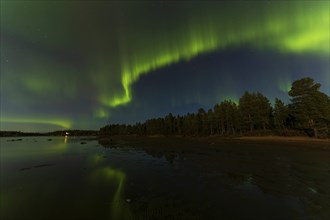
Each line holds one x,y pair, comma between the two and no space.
299,30
65,124
285,84
80,59
101,113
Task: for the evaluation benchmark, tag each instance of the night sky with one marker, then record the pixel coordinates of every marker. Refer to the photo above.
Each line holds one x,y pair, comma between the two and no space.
84,64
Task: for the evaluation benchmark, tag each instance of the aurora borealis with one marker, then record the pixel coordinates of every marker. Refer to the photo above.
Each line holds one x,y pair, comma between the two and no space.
83,64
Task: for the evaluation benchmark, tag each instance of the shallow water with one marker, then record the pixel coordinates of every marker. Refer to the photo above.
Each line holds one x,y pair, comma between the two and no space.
63,178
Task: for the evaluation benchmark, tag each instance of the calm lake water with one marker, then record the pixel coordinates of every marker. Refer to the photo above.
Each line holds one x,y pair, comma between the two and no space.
63,178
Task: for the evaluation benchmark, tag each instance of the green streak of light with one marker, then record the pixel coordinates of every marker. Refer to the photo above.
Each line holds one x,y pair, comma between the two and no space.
62,123
298,30
149,42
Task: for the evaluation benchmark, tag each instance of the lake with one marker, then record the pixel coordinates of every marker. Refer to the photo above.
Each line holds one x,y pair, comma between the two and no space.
163,178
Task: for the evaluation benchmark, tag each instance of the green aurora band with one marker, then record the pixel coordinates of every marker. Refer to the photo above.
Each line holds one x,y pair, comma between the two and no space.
303,29
65,124
142,38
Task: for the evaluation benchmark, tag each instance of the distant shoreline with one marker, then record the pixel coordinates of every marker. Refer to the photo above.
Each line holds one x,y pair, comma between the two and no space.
52,133
98,136
269,138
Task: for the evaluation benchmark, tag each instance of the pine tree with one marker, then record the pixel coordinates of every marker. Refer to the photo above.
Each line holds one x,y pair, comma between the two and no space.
311,107
281,114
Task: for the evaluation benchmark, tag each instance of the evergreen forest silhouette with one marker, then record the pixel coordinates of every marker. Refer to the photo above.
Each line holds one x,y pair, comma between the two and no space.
308,113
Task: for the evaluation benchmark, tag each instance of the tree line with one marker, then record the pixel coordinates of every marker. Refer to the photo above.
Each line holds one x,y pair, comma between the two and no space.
308,113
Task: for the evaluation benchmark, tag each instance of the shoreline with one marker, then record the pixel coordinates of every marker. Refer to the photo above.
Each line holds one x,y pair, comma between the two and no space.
95,134
284,138
268,138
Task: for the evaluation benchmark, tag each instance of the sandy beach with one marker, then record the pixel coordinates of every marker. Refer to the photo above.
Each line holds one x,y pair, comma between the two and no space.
283,138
